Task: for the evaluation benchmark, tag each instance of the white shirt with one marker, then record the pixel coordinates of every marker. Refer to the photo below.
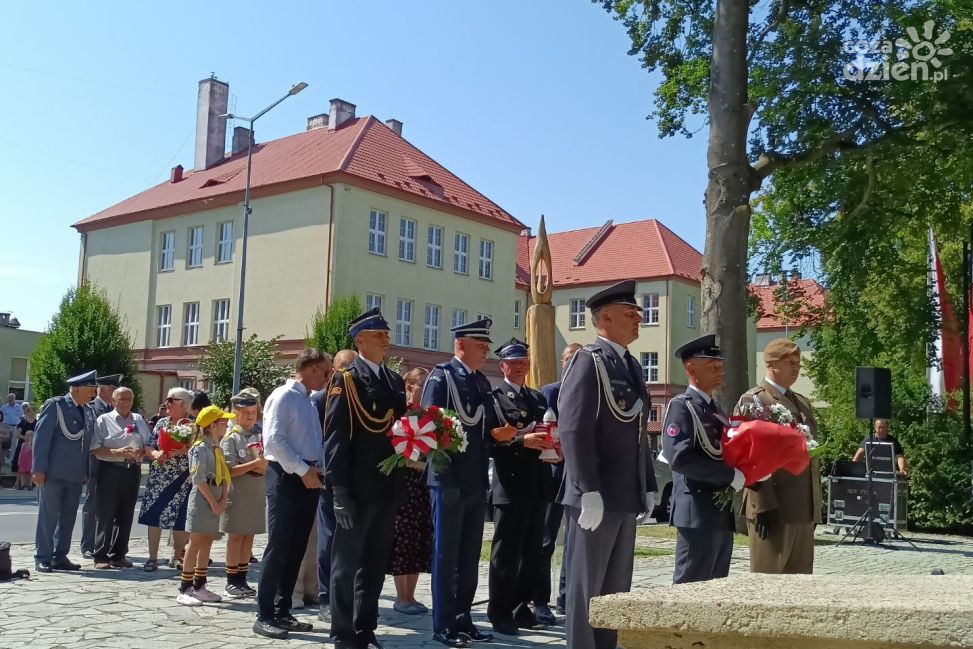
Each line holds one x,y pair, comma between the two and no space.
618,348
374,367
516,388
706,397
291,428
465,366
11,414
110,432
779,388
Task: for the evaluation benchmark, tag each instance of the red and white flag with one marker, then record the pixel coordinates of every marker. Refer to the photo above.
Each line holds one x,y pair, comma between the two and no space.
946,371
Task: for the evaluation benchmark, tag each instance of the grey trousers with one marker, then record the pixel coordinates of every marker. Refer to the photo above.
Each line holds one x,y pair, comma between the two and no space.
57,508
599,563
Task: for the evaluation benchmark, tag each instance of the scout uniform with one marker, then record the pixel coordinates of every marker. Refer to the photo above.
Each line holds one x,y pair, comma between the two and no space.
787,506
61,442
206,465
521,489
458,493
364,400
603,406
99,407
693,429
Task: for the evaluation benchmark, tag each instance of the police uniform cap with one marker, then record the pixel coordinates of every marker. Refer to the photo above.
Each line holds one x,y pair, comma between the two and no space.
87,379
620,293
479,330
779,349
113,380
371,320
511,350
702,347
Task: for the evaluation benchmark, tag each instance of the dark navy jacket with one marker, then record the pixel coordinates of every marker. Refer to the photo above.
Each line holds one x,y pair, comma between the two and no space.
518,473
695,475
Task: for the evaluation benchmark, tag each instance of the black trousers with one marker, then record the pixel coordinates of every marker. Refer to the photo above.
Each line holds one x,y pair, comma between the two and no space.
515,558
702,554
118,493
359,557
326,525
290,515
553,521
89,510
457,519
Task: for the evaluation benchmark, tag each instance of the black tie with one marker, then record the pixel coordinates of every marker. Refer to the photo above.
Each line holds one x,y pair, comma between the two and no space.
634,369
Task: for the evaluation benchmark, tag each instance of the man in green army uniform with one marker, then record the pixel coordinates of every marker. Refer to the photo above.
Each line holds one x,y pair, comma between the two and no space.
783,509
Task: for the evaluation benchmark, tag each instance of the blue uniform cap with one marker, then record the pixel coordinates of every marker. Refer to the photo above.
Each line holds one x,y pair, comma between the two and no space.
114,380
371,320
479,330
511,350
702,347
620,293
88,379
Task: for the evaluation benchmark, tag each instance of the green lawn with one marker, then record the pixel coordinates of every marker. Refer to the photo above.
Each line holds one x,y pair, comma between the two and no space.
669,533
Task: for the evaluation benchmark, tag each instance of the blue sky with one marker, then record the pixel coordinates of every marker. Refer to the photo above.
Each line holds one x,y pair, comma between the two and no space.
536,104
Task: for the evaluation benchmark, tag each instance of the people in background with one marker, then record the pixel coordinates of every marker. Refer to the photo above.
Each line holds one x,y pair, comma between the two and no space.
881,428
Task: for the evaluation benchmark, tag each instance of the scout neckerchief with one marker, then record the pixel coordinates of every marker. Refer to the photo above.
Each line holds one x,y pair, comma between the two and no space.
221,473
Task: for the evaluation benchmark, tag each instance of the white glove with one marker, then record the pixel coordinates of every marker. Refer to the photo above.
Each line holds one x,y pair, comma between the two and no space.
738,480
649,502
592,511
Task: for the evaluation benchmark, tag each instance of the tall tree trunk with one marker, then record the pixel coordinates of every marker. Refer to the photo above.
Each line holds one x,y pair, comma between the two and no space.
724,276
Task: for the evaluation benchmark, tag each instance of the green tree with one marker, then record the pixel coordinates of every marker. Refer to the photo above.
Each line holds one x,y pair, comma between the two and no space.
329,328
86,333
261,368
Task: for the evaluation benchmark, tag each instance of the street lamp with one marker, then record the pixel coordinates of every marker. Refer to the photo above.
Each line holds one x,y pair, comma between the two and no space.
238,353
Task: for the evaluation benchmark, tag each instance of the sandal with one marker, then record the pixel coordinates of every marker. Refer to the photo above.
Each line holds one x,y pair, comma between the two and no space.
151,565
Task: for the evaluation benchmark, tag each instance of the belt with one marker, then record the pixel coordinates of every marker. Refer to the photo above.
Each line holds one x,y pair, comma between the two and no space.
313,463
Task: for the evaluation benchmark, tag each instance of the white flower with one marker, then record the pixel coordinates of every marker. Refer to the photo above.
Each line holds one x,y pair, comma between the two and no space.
811,444
463,443
780,414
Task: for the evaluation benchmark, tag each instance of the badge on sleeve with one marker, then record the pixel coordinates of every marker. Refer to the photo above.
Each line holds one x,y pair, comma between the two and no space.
672,430
242,453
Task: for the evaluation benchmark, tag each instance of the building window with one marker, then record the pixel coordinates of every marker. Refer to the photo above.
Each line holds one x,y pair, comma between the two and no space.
186,384
486,259
167,251
655,412
650,366
19,382
221,320
434,247
403,323
430,337
461,253
163,325
224,243
190,324
516,314
577,314
650,309
376,232
194,256
372,300
691,312
459,317
407,240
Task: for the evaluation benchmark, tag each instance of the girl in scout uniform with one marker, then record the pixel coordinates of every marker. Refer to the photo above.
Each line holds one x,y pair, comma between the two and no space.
207,502
245,513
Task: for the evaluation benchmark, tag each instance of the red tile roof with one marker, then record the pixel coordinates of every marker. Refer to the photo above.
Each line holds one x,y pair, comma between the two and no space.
638,250
363,149
803,304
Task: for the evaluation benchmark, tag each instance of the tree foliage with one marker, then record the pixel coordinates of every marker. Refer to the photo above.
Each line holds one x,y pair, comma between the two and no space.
86,333
261,368
329,328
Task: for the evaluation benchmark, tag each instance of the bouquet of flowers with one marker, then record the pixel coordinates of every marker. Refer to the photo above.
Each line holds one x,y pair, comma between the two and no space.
432,434
174,437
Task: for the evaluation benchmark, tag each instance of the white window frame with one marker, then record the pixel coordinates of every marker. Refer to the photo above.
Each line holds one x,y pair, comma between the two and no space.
163,325
461,254
20,387
377,228
403,323
691,311
430,334
167,251
576,314
516,314
374,300
650,309
224,242
650,366
190,324
486,259
221,320
655,413
407,240
459,317
434,247
186,384
194,247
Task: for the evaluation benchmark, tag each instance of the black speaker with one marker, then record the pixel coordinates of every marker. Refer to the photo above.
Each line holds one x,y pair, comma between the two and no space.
873,393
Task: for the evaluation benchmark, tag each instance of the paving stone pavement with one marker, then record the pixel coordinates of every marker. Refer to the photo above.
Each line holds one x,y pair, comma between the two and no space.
133,609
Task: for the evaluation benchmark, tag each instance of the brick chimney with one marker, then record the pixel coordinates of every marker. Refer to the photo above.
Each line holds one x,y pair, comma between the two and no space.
241,139
211,102
395,125
341,112
176,174
317,121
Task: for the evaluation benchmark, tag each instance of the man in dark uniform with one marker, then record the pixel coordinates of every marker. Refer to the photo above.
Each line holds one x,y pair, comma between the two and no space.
603,408
61,441
101,404
522,485
458,492
693,429
553,518
783,510
364,400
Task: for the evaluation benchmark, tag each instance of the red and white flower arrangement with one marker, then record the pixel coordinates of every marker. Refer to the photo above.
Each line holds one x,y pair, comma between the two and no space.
432,434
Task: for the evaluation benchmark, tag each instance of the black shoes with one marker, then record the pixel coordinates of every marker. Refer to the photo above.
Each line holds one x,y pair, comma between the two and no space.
506,627
473,634
291,623
544,615
124,562
450,639
268,630
44,566
66,565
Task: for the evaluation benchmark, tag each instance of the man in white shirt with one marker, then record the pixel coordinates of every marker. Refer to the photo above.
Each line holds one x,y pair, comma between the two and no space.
10,415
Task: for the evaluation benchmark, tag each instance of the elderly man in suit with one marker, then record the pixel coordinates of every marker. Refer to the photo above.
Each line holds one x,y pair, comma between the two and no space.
603,406
61,442
783,510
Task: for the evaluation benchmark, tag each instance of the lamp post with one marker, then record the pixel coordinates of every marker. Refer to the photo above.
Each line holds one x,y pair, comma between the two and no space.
238,352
